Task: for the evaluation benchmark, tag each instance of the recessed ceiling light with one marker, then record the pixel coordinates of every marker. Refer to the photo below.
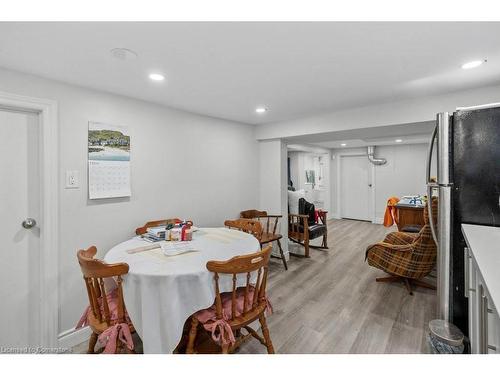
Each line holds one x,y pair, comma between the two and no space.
156,77
261,109
343,144
399,140
473,64
123,54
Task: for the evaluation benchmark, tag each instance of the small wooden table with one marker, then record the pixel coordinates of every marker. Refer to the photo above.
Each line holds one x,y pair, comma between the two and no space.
410,215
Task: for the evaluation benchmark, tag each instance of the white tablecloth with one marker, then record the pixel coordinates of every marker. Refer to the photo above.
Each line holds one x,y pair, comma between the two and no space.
161,292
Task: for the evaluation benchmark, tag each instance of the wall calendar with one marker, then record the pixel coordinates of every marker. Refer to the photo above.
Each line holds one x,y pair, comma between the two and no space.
108,161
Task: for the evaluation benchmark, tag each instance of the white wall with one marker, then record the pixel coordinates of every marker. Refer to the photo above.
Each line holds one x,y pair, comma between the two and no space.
403,174
273,196
183,165
296,169
392,113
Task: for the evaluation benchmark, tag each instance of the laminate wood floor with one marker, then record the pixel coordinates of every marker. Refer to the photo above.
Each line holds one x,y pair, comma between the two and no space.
330,303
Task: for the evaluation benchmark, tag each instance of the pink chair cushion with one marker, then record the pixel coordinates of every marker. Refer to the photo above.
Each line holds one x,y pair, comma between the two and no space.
116,331
220,328
112,298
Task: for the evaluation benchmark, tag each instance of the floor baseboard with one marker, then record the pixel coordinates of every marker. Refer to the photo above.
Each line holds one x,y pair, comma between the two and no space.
73,337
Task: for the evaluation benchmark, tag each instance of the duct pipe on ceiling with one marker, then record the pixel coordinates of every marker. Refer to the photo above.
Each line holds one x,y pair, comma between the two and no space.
371,157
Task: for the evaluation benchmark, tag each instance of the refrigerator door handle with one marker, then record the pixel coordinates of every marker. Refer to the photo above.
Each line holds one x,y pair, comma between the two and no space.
430,187
429,154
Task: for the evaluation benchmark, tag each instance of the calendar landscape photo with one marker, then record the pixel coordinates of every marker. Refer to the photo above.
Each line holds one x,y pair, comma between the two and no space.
108,142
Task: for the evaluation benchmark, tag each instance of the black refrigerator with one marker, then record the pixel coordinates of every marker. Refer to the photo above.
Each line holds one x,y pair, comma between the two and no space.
467,143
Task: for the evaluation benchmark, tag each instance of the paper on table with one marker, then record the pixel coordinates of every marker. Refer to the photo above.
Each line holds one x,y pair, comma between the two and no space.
143,248
176,248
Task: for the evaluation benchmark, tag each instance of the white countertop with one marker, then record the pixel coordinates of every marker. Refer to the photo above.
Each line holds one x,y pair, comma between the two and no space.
484,243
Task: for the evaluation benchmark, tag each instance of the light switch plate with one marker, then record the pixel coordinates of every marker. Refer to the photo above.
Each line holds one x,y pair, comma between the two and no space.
72,180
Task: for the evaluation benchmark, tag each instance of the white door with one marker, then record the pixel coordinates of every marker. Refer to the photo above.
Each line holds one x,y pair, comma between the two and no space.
19,247
355,189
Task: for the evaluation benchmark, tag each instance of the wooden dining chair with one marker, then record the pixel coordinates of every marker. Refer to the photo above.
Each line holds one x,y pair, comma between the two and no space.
106,311
235,310
252,227
156,223
270,225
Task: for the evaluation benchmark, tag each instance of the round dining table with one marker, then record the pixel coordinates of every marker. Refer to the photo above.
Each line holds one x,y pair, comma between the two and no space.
161,291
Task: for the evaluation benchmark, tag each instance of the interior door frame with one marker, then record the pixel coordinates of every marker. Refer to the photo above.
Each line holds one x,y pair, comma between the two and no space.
49,208
371,195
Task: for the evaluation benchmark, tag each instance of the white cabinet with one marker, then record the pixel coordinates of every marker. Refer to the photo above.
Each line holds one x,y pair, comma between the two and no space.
484,320
471,293
491,337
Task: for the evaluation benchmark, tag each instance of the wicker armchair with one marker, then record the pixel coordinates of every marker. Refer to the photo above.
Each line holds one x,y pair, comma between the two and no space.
406,257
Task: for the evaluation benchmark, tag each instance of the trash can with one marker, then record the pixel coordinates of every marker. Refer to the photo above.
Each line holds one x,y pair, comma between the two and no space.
445,338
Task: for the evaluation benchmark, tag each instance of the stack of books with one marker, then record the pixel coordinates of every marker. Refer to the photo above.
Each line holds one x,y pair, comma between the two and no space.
155,234
412,201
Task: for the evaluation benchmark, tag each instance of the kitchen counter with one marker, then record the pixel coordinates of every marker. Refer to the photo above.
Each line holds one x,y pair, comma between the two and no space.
484,244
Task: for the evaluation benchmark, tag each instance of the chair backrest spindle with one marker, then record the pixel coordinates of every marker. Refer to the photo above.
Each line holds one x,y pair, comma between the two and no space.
104,301
247,290
121,305
233,297
218,301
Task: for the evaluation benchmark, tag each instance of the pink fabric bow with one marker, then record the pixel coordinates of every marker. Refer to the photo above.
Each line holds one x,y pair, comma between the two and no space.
220,328
117,332
225,334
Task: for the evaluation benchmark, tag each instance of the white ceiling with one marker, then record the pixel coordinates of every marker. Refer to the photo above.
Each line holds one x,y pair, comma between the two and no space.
226,70
411,133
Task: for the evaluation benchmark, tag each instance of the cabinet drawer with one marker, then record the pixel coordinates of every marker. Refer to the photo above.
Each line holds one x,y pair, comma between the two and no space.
493,347
493,328
489,336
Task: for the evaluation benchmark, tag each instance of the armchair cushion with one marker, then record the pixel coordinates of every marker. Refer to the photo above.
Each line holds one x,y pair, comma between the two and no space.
393,259
306,208
315,231
293,200
411,228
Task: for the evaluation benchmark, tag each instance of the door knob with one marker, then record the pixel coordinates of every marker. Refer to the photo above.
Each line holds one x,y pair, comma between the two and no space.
28,223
